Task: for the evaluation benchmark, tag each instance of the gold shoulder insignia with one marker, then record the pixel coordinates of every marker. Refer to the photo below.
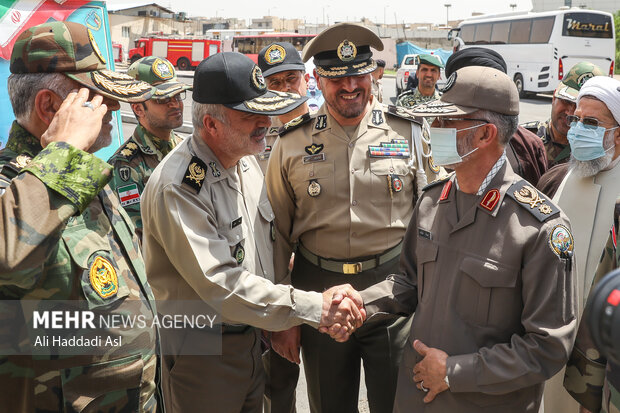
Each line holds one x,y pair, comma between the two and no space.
403,113
535,202
21,161
295,123
195,174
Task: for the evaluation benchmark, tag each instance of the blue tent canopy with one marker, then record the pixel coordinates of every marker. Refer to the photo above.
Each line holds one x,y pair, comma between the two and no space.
406,48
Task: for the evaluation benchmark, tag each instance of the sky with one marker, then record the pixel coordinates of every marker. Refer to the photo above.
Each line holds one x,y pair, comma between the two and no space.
319,11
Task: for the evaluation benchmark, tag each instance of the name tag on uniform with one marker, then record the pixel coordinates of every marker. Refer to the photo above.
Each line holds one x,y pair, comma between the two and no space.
319,157
236,222
425,234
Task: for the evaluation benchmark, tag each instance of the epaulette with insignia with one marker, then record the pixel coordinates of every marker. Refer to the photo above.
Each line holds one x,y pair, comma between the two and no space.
295,123
404,114
438,182
12,168
531,126
195,174
532,200
129,151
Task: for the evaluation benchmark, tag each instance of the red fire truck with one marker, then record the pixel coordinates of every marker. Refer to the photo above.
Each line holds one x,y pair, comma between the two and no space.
182,53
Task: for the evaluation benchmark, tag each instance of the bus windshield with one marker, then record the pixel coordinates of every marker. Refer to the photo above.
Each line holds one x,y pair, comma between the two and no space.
587,25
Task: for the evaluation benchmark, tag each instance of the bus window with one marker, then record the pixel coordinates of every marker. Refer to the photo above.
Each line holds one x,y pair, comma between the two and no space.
520,31
500,33
483,33
587,25
467,33
541,29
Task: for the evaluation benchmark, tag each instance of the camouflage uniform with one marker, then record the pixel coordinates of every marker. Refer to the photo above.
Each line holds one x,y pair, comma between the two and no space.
50,209
557,153
133,164
65,237
410,98
590,378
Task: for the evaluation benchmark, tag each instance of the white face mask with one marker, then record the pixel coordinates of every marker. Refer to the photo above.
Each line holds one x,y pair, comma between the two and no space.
443,146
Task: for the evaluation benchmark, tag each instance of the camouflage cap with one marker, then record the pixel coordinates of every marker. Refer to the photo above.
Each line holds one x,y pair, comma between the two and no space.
70,48
159,73
569,87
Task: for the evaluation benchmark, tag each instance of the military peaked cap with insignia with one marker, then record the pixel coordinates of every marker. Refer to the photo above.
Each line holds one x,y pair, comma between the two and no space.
295,123
279,57
235,81
159,73
70,48
343,50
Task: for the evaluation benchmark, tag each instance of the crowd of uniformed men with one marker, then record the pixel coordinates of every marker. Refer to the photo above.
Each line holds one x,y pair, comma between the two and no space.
418,239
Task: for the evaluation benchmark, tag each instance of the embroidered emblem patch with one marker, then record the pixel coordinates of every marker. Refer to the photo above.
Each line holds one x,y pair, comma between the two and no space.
275,54
445,191
346,51
321,122
103,277
314,188
162,69
257,79
314,149
561,241
377,117
195,173
239,253
214,171
129,194
93,44
124,173
490,200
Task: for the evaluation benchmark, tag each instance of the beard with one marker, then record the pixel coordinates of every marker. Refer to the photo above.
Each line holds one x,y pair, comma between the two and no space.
105,134
348,109
585,169
242,144
170,121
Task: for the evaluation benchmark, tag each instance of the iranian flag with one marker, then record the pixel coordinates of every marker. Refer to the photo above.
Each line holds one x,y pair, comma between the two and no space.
129,194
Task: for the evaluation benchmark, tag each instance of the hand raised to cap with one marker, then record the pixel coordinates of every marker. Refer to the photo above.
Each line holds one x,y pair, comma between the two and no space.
74,123
343,312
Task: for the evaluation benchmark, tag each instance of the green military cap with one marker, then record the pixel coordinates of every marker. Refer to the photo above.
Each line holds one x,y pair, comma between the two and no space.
430,60
569,87
70,48
159,73
343,50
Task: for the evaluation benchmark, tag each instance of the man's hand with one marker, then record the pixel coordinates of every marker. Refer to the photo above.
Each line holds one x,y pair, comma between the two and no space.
74,123
343,312
430,372
286,343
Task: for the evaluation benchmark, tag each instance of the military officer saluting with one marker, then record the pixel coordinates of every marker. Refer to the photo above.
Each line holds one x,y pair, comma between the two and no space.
153,138
343,183
64,235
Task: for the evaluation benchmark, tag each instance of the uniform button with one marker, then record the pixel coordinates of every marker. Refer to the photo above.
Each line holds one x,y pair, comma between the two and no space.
354,203
311,173
352,170
391,169
350,144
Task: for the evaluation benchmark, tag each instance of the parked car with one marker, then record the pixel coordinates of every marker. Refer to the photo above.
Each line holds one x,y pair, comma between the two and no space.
408,66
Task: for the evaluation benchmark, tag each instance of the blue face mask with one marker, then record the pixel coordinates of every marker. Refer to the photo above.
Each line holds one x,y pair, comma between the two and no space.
586,143
443,146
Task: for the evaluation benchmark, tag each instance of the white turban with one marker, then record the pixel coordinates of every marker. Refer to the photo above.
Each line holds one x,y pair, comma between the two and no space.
605,89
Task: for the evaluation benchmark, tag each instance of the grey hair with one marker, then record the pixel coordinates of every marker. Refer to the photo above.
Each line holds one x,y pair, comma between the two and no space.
506,124
23,88
199,110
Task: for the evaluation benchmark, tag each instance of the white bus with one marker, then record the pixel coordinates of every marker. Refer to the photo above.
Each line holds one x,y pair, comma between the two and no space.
539,48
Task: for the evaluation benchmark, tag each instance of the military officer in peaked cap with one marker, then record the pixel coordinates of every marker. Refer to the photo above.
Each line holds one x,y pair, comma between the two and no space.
284,71
208,234
153,138
343,183
64,236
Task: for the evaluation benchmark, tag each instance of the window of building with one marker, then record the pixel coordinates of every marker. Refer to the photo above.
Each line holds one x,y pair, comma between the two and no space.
125,31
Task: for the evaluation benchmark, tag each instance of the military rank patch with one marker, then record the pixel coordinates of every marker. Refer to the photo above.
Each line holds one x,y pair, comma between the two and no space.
103,277
129,194
432,166
314,149
445,192
377,117
214,171
195,173
129,151
124,173
321,122
239,253
535,202
314,188
273,130
294,124
397,148
490,200
403,113
21,161
561,241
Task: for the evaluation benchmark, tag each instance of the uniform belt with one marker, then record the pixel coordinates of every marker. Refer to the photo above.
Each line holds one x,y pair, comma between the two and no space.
350,266
235,328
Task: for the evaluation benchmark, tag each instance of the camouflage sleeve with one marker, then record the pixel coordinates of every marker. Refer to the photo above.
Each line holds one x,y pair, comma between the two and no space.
59,182
128,185
585,371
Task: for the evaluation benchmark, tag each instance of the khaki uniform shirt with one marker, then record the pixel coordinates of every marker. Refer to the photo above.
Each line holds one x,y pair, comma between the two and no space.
64,237
270,140
361,204
490,281
133,164
208,236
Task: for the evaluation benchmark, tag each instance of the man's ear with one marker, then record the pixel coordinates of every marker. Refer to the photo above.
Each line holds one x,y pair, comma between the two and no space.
138,109
46,104
211,124
306,77
488,136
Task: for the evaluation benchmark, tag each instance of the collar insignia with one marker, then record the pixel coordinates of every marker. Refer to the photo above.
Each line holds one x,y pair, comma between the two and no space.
490,200
377,117
321,122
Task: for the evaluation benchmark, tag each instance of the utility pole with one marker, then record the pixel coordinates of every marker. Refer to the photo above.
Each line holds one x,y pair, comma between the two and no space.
447,6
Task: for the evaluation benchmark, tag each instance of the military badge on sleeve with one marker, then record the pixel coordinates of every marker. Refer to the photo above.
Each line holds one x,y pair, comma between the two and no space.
103,277
561,241
124,173
239,253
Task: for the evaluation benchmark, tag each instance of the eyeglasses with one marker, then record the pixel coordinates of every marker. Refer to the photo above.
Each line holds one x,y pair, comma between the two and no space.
442,120
164,101
588,122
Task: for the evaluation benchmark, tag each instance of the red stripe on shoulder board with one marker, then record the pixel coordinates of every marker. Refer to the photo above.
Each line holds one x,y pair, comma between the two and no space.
445,191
